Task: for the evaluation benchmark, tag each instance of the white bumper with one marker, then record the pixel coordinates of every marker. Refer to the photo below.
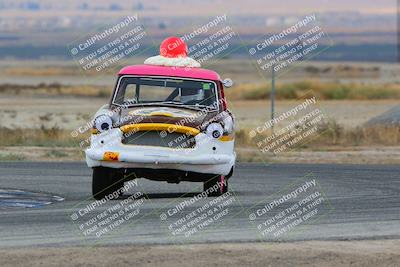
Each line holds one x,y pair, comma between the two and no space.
208,156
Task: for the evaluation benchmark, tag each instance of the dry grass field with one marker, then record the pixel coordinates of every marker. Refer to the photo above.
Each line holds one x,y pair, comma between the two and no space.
306,253
43,102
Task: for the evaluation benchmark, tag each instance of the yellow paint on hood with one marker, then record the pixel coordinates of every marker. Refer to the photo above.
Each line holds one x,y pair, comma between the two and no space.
169,128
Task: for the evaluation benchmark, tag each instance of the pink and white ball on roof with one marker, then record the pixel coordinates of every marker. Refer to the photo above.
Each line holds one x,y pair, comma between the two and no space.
173,53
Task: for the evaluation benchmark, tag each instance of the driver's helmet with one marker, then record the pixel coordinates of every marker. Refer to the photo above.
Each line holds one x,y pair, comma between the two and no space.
190,94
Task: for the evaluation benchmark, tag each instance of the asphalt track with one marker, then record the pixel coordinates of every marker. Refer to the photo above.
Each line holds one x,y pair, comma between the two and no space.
359,202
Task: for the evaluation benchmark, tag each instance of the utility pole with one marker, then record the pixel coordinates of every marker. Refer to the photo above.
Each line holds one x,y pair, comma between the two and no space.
273,97
398,29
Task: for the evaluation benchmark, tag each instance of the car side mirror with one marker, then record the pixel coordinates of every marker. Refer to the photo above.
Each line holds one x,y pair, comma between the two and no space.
227,82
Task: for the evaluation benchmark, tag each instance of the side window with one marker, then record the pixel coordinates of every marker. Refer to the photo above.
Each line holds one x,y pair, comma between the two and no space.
126,91
130,93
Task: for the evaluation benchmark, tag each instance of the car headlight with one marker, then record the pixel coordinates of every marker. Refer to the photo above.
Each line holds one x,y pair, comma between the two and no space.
215,130
103,123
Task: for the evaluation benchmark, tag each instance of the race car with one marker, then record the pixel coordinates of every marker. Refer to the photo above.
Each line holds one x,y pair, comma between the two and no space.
167,120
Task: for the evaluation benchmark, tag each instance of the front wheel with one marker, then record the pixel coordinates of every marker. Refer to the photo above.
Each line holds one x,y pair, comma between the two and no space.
106,181
216,186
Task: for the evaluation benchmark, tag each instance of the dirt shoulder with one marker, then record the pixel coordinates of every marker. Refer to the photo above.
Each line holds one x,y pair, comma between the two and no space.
328,155
309,253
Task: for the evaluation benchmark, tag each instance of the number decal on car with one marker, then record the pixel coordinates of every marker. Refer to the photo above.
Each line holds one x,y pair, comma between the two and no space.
111,156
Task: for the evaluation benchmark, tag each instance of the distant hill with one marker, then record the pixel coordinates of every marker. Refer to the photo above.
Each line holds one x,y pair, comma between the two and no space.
361,30
390,117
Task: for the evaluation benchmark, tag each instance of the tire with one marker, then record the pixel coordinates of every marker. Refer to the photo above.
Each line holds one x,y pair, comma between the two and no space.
105,181
219,182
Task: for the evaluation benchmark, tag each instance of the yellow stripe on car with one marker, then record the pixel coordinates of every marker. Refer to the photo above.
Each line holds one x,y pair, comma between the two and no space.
226,138
170,128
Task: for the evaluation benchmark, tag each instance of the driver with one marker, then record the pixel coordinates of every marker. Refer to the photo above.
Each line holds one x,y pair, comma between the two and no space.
191,96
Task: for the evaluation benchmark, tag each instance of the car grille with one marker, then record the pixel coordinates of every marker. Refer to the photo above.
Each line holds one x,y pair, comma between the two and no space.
158,138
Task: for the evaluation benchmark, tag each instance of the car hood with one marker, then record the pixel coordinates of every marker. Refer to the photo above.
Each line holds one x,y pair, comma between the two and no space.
171,115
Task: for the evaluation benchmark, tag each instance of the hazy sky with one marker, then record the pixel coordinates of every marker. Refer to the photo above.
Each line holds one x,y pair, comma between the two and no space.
207,7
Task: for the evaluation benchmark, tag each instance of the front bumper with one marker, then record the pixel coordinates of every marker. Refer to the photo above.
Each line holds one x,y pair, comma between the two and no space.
210,155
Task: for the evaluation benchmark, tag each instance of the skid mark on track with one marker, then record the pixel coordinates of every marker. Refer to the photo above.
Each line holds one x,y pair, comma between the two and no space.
15,198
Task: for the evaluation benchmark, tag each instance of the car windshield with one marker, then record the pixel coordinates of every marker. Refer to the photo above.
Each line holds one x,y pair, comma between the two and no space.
134,91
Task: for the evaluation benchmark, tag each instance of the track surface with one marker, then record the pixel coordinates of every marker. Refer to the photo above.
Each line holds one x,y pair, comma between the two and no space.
364,203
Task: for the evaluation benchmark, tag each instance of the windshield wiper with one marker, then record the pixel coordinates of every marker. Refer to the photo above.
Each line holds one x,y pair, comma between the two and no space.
201,106
181,104
171,102
192,106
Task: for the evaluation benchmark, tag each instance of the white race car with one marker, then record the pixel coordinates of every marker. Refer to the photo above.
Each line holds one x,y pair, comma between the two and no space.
163,123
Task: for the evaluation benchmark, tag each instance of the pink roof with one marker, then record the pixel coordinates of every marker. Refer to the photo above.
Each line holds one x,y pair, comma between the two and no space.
151,70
